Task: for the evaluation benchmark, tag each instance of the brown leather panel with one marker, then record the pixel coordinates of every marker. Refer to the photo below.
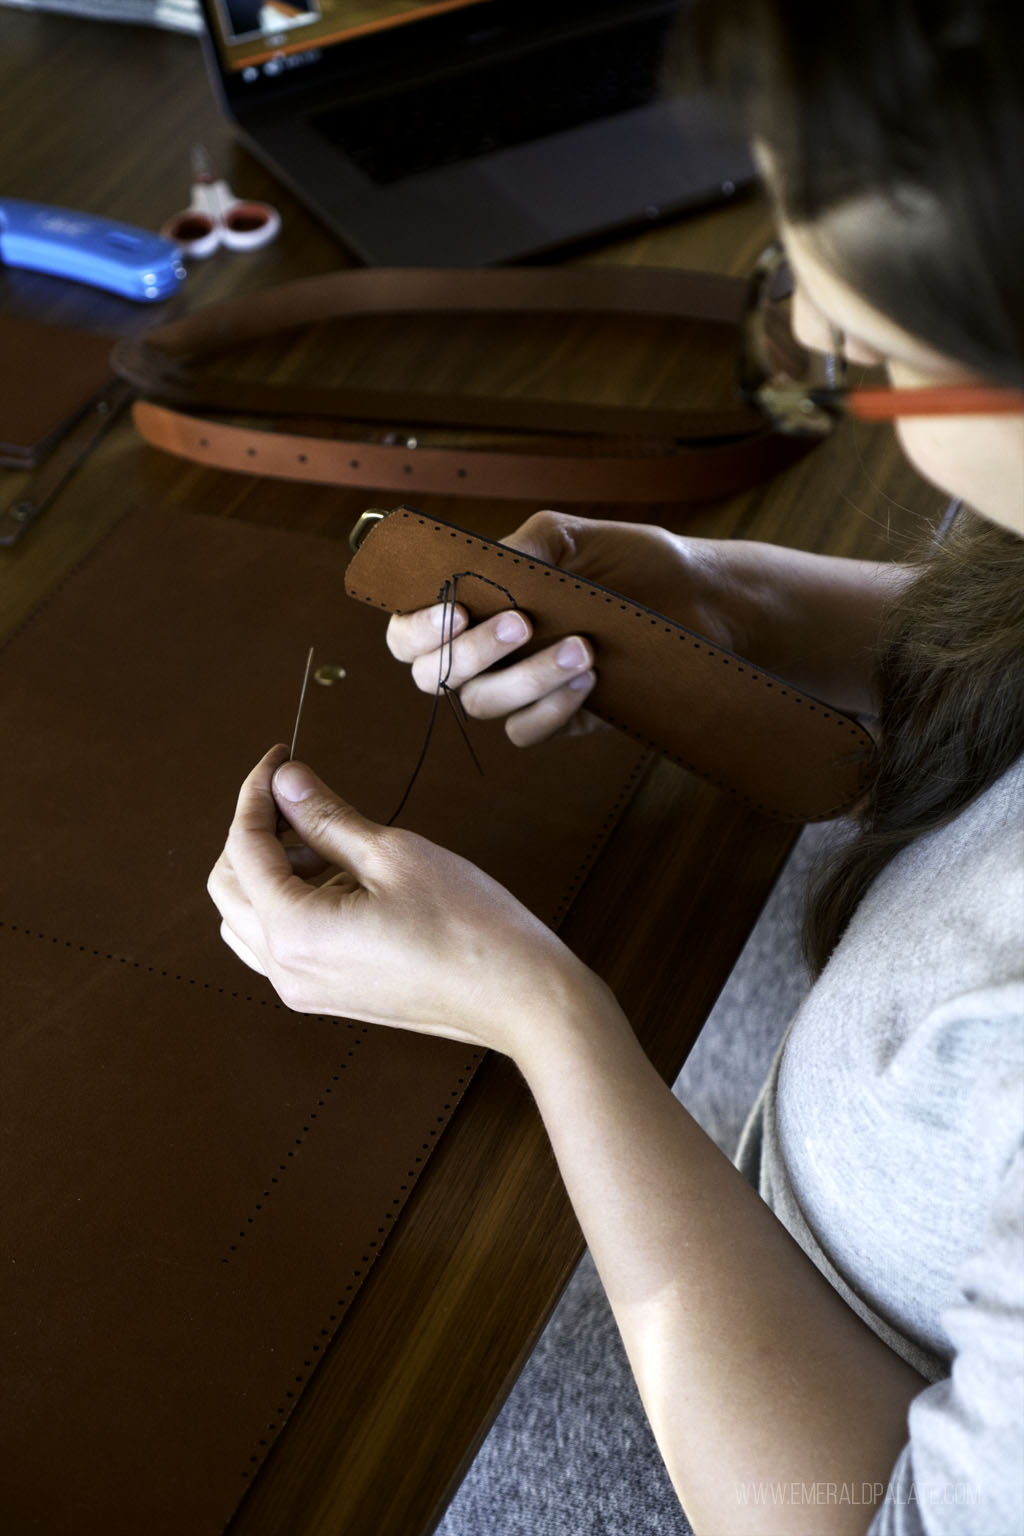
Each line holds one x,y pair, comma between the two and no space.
197,1181
192,1189
717,714
49,375
65,454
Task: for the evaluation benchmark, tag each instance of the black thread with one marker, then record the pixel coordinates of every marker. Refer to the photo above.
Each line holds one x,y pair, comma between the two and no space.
447,597
489,581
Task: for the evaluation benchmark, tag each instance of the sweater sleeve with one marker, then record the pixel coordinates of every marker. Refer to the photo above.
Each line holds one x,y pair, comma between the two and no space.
961,1472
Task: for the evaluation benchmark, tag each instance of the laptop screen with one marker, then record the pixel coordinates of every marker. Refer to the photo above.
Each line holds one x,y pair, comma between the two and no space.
266,36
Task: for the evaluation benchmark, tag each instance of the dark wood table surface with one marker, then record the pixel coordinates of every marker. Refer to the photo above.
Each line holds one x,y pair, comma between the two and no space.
100,117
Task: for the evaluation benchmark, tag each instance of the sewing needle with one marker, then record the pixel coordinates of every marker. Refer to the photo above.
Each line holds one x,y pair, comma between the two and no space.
302,700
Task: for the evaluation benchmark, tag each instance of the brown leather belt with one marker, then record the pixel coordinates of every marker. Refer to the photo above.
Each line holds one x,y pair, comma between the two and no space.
571,452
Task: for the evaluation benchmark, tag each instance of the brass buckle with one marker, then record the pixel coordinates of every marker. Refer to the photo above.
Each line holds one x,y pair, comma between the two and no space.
364,523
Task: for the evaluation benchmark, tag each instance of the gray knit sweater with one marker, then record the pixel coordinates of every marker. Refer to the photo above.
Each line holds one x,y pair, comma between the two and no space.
889,1139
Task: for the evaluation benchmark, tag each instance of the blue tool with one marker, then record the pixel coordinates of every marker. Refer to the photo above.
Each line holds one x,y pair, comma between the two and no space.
87,249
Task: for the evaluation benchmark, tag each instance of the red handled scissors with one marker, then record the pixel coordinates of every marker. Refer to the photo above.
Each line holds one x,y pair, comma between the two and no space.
216,217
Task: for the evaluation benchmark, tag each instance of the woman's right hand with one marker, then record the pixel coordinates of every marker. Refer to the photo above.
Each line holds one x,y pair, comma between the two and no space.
543,695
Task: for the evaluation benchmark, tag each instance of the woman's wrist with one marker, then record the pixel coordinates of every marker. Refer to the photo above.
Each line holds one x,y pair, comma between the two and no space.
811,619
575,1015
722,603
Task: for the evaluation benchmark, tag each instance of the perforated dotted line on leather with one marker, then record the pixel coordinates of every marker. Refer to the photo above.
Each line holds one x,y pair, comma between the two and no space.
140,965
843,724
586,863
357,1033
357,1276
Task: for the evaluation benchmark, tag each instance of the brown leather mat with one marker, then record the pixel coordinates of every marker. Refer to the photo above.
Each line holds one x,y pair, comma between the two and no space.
197,1181
50,375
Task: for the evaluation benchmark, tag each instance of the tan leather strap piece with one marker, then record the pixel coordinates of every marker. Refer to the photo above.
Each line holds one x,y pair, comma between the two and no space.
783,752
589,453
686,475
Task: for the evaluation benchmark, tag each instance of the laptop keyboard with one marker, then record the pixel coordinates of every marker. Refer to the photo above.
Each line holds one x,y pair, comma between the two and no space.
499,105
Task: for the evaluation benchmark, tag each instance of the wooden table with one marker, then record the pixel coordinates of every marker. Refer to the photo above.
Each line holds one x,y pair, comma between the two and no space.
101,118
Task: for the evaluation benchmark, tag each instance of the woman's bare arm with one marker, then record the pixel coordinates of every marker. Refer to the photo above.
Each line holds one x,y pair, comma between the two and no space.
754,1372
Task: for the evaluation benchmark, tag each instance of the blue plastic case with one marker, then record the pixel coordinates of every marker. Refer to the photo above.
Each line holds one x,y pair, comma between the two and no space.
101,252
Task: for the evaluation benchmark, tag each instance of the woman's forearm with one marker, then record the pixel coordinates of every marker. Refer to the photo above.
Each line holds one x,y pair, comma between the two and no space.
753,1371
811,619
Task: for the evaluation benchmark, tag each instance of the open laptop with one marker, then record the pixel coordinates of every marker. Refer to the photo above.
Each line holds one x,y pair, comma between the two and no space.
469,132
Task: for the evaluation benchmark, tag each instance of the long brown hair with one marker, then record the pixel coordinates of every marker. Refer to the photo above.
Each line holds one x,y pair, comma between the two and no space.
951,679
916,103
921,106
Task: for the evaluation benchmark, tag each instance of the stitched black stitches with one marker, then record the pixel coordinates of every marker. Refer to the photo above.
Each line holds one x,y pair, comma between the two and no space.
624,796
488,581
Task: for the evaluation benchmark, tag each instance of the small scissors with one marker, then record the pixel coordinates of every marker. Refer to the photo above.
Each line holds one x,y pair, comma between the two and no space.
216,217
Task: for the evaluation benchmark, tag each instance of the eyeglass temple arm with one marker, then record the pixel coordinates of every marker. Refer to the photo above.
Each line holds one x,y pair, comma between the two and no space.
947,400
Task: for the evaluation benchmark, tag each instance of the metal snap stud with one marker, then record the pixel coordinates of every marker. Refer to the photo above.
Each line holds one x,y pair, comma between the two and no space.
328,675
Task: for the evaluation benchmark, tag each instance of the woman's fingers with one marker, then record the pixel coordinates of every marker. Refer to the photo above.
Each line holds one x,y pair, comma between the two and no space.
539,695
411,635
556,712
240,926
256,882
253,846
494,694
305,862
417,634
474,651
240,948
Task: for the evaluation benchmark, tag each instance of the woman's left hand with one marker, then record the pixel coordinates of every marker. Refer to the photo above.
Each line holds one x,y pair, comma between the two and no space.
405,934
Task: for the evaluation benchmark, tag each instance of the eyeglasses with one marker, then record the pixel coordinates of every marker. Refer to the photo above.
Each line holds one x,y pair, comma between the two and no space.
804,393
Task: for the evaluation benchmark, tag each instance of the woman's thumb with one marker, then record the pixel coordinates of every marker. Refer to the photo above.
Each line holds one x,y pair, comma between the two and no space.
325,822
